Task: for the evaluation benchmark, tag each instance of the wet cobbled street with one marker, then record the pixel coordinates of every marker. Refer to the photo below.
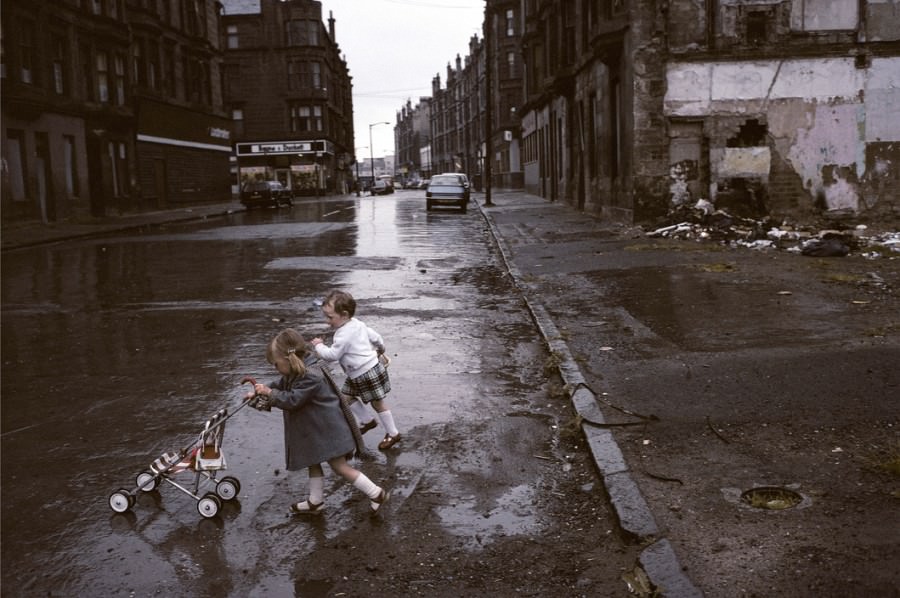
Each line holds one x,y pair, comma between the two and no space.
118,349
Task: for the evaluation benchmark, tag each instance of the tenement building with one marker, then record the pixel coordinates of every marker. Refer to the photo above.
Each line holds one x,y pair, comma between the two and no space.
788,108
460,141
289,93
111,106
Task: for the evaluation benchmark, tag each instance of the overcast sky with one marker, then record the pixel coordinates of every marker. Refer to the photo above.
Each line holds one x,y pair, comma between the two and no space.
394,48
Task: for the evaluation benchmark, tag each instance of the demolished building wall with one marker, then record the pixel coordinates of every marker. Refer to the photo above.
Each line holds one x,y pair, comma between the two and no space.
786,108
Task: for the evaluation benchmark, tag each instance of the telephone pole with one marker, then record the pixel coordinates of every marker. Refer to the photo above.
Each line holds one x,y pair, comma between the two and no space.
489,102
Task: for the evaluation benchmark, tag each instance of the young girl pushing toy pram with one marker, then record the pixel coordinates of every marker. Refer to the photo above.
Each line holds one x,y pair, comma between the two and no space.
316,429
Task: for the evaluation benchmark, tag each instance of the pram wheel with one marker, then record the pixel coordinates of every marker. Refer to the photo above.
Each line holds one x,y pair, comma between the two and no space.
228,488
146,481
209,505
121,500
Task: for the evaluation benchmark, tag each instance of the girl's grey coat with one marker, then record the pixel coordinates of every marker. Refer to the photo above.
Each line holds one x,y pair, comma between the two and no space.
314,426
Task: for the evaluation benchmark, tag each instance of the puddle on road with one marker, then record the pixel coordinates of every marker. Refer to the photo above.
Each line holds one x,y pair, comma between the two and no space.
336,263
513,515
422,303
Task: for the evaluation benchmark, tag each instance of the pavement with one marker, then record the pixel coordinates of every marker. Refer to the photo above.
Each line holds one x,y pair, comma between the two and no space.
33,232
511,210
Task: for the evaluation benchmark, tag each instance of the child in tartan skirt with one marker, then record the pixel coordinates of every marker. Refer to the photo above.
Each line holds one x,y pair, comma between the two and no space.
358,349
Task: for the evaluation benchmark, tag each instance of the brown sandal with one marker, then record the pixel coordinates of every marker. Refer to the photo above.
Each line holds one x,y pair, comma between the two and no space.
377,503
389,441
307,508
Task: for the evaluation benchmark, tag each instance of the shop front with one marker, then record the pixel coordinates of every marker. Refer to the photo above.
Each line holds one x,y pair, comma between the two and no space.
305,167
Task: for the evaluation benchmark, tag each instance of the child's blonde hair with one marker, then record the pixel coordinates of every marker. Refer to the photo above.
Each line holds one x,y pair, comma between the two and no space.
289,345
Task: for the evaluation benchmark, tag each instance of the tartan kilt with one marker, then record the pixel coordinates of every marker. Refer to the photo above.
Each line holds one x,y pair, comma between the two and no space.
371,386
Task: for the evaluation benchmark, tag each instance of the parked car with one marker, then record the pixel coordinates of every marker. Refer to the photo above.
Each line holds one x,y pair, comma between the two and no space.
423,184
446,189
265,193
462,179
382,187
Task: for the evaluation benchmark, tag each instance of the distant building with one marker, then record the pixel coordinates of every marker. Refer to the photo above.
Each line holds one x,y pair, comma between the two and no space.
411,135
111,107
458,106
289,93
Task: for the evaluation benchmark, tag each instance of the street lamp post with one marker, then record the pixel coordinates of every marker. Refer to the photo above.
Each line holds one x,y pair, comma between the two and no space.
371,155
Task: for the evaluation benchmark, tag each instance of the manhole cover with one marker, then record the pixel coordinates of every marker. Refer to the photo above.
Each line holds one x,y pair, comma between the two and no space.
771,497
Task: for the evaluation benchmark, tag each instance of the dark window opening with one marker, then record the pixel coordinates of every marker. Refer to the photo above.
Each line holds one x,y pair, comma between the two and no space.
751,134
757,27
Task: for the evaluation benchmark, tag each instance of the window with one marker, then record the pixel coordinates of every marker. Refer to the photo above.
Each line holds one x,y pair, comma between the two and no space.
306,118
152,65
824,15
120,80
301,33
102,77
70,165
237,114
27,52
511,64
303,74
193,19
138,62
97,7
756,27
232,37
510,23
15,156
59,66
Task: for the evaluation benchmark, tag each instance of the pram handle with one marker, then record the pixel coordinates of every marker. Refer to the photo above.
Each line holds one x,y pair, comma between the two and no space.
255,400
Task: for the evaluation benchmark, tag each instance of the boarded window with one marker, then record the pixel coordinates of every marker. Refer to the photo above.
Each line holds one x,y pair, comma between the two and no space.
824,15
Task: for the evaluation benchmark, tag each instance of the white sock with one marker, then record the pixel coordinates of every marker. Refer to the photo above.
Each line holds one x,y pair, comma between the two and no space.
387,420
316,490
359,410
367,486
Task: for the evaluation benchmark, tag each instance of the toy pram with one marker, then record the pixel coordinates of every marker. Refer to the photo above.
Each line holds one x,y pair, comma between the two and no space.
203,458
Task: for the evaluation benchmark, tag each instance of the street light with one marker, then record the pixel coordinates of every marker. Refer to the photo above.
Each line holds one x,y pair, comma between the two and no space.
358,182
371,155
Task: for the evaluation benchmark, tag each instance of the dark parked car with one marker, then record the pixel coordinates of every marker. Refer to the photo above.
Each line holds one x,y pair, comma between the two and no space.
265,193
446,189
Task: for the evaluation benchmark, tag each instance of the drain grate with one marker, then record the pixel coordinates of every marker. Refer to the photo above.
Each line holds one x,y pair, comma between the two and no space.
771,497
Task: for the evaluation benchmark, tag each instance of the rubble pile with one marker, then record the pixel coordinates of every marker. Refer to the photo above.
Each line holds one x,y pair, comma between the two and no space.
702,222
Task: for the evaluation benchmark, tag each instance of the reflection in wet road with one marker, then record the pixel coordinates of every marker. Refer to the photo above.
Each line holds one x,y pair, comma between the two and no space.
116,350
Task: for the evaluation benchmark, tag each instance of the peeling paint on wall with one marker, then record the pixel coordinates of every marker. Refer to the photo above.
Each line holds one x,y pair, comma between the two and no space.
821,114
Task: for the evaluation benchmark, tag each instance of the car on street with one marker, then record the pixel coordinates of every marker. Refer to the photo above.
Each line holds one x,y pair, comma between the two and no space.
462,179
265,193
382,187
423,184
446,190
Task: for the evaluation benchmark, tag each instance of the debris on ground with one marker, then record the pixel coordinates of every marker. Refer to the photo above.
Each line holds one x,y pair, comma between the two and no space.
701,222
